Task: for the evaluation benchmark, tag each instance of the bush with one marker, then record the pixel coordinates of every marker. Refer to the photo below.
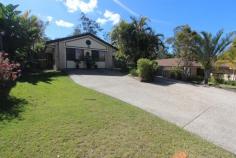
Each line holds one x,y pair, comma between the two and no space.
133,72
176,73
146,69
121,62
216,80
232,83
9,72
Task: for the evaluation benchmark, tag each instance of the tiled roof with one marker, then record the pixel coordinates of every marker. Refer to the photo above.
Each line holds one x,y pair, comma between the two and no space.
174,62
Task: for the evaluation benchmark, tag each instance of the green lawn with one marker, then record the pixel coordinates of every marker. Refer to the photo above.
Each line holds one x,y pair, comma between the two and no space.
55,117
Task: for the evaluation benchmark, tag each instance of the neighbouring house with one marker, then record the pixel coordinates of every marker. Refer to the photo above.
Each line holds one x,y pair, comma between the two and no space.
80,51
192,69
224,72
189,69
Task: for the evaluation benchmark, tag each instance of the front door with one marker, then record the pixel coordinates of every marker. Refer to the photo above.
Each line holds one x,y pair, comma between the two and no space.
88,60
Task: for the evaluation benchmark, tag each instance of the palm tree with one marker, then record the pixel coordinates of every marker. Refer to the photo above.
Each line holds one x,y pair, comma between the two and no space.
228,59
208,47
140,24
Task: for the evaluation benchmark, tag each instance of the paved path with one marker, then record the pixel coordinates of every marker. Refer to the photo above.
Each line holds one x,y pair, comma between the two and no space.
206,111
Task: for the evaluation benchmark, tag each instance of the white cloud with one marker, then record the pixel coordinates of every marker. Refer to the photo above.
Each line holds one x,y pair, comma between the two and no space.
49,18
74,5
63,23
101,21
109,16
114,17
125,7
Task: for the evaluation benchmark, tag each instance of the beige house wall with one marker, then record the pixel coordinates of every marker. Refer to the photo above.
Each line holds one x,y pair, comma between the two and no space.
60,52
167,69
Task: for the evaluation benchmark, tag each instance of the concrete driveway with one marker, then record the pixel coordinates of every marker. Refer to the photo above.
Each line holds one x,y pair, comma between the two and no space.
206,111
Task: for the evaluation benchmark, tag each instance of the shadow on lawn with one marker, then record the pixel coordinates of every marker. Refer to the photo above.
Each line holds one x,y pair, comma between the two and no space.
11,108
46,77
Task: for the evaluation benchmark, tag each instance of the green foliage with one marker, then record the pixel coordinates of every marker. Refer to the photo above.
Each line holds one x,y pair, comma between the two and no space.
133,72
183,42
146,69
220,81
176,73
228,58
20,33
137,40
208,47
87,25
121,62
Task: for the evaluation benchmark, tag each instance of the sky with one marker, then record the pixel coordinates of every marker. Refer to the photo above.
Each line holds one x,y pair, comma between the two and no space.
164,15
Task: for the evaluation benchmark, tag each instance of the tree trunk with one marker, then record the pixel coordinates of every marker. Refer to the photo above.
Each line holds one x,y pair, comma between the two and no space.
206,76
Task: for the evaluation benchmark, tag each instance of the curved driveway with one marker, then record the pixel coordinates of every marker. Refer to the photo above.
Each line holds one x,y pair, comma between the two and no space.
206,111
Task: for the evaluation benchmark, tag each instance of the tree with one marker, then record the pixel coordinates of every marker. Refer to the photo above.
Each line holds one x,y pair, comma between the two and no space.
228,58
21,33
182,43
208,47
136,40
87,25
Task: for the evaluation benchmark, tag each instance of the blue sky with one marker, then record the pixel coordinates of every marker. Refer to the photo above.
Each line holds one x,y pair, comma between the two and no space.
164,15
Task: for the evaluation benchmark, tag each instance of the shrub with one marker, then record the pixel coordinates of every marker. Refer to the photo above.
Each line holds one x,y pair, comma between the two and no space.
121,62
212,80
146,69
216,80
232,83
9,72
133,72
176,73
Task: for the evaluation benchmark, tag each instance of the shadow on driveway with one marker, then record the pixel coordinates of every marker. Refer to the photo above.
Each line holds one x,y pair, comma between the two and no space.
162,81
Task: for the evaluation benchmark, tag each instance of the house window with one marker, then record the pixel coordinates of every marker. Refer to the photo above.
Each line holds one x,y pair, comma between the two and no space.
102,56
79,53
95,55
70,54
98,55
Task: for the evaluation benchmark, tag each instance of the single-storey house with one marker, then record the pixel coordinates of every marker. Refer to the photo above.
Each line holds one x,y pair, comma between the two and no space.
80,51
191,69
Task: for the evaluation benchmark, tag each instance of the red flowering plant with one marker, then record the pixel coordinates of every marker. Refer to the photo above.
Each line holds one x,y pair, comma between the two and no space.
9,72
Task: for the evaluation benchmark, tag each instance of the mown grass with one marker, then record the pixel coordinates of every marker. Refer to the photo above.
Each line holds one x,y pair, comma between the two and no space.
54,117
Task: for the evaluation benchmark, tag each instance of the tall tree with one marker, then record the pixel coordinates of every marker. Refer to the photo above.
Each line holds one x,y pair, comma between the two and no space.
87,25
208,47
182,44
136,40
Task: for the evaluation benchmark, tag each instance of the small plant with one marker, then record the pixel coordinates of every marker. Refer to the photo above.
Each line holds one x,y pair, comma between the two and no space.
9,72
146,69
133,72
